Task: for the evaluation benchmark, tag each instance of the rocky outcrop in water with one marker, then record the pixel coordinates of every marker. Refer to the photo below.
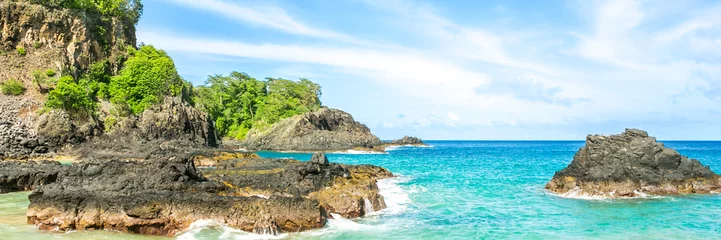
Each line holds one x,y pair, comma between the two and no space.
27,175
631,164
408,140
341,189
164,196
326,129
160,197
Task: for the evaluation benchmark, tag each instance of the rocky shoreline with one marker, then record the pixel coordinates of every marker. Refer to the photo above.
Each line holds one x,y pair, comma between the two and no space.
163,196
631,164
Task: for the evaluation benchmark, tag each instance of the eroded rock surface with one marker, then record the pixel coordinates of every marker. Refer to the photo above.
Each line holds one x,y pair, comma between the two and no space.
160,197
27,175
342,189
629,165
163,196
326,129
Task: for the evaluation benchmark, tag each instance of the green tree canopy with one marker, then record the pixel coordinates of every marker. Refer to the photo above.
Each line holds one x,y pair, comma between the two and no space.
127,9
149,74
239,102
70,96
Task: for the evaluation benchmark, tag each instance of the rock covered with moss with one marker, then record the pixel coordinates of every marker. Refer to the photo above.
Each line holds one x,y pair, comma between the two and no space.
631,164
326,129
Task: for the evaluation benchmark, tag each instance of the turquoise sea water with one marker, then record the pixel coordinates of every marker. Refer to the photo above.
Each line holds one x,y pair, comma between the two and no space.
473,190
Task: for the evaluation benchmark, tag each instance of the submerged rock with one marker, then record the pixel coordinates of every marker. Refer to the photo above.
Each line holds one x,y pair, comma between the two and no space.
326,129
629,165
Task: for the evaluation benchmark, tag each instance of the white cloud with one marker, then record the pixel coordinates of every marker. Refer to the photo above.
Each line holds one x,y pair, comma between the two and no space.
619,69
453,117
264,16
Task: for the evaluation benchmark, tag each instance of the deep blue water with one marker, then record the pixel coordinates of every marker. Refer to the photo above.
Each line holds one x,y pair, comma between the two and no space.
486,190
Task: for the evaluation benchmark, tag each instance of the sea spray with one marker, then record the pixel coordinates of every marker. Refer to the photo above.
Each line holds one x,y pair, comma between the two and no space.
210,229
396,198
367,206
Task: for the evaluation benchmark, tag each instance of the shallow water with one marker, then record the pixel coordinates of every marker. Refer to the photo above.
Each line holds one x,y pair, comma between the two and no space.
472,190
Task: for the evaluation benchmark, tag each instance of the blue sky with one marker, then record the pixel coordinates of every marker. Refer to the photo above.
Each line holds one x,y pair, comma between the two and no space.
469,69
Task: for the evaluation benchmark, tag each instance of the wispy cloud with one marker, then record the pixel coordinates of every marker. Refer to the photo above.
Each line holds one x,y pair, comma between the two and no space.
619,63
264,16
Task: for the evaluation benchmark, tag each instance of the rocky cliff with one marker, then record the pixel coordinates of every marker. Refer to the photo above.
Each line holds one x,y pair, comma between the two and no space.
631,164
34,37
38,38
326,129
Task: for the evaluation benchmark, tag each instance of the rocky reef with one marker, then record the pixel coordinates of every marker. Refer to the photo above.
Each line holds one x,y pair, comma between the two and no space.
326,129
631,164
164,196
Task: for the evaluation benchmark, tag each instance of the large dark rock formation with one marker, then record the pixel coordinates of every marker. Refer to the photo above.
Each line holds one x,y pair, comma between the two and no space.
23,176
160,197
631,164
326,129
164,196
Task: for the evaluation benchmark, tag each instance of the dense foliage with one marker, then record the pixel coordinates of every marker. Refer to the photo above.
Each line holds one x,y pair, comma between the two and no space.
127,9
12,87
148,75
239,102
70,96
96,81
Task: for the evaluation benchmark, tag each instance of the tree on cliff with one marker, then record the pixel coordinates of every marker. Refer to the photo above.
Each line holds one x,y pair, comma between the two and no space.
149,74
239,102
127,9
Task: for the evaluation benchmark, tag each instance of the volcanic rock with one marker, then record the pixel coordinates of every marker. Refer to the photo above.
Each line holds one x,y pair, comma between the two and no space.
326,129
631,164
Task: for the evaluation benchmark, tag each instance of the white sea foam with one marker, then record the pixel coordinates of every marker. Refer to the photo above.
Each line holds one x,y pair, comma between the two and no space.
398,147
367,205
577,193
393,148
359,152
396,198
226,232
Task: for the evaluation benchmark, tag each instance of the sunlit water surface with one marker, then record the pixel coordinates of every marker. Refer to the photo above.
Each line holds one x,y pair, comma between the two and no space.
470,190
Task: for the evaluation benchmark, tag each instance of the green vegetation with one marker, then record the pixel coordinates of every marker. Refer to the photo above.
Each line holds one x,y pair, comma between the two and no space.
130,10
96,81
149,75
44,81
36,45
12,87
70,96
239,102
21,51
50,73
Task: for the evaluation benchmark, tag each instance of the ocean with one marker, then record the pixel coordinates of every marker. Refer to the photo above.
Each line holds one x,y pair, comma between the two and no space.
470,190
